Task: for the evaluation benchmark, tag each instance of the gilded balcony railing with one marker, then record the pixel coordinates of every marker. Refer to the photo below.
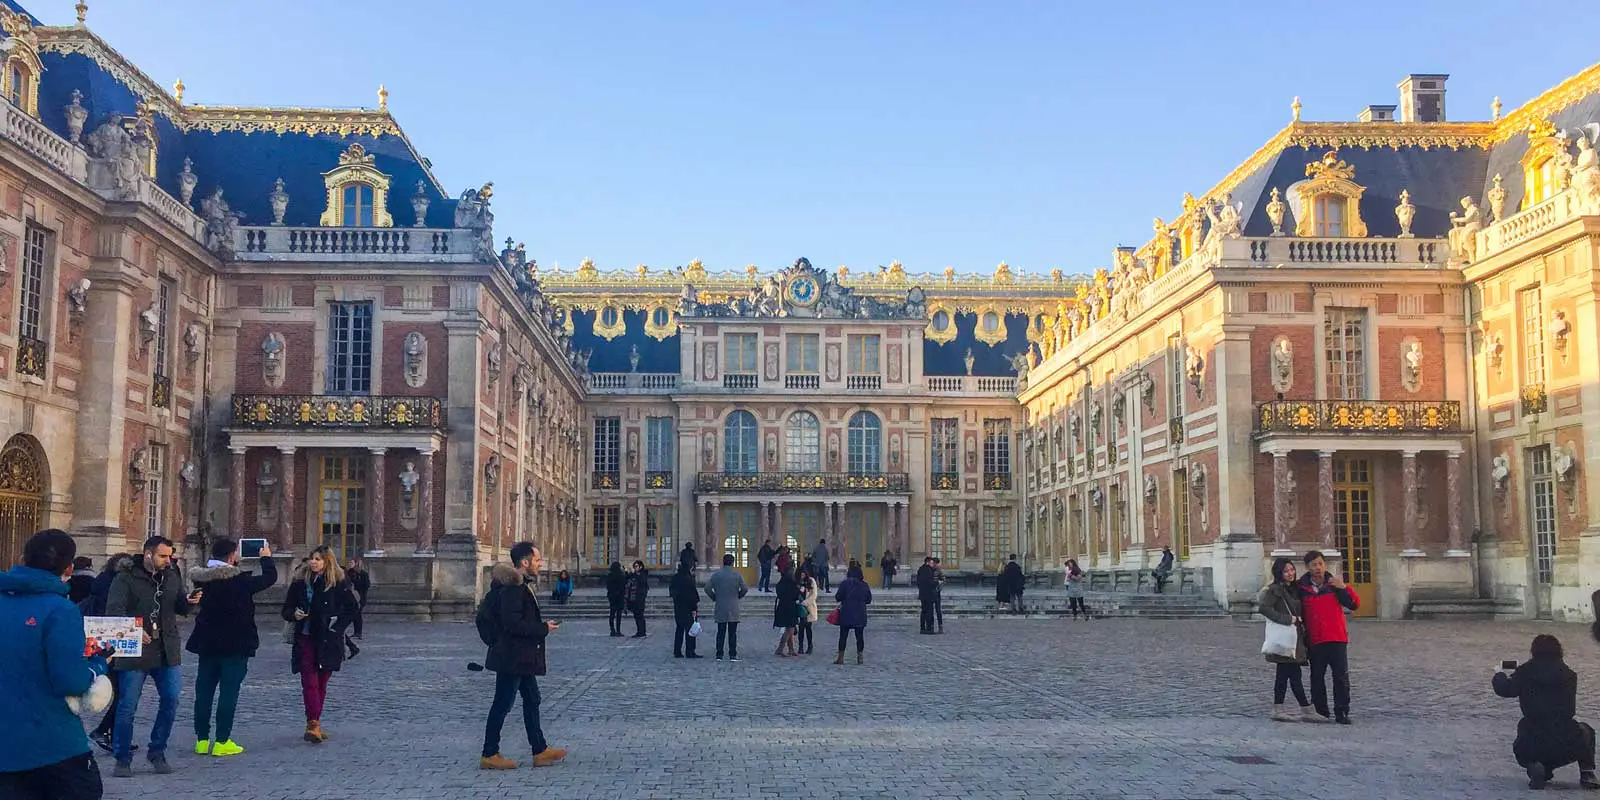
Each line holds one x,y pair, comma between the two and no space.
997,481
336,411
658,480
805,482
1534,400
1359,416
946,481
161,392
32,354
603,479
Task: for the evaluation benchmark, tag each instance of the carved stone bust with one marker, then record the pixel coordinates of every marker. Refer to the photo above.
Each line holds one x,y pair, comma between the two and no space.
273,349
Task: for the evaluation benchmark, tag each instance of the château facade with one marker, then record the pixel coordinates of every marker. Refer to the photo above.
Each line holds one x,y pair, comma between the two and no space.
1370,338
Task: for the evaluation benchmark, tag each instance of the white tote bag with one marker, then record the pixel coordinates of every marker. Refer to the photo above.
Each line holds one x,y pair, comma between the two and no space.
1281,640
694,630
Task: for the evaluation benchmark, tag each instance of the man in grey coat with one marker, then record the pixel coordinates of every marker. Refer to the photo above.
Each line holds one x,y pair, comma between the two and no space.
819,560
726,588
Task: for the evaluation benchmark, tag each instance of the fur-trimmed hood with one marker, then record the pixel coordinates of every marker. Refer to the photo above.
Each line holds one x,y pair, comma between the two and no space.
506,575
198,575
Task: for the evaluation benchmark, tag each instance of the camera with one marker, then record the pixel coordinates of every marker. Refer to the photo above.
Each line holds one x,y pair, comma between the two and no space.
1509,666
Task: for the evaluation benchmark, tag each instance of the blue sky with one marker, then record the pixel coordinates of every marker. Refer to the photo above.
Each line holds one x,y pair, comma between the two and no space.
850,131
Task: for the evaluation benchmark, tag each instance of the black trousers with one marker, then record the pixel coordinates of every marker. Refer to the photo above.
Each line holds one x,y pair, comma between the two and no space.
77,778
807,637
638,619
927,616
1288,677
616,616
1076,605
681,640
506,689
361,612
1555,747
844,633
110,718
938,610
1334,655
728,631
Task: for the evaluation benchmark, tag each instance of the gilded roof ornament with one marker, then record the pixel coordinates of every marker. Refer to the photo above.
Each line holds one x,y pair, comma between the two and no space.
1330,167
356,156
1002,274
1494,109
696,271
177,91
1541,129
586,270
383,98
1294,109
83,12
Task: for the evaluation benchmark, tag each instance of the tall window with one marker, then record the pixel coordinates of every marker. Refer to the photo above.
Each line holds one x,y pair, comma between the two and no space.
1175,376
18,85
801,353
357,205
863,354
344,504
603,545
658,444
1346,329
1180,513
741,354
1531,305
607,451
659,545
944,535
35,245
802,443
996,536
739,444
866,443
155,523
996,447
164,292
1542,511
1328,215
350,348
946,445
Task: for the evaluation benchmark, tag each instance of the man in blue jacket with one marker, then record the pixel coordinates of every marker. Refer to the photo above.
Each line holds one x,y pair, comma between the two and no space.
44,754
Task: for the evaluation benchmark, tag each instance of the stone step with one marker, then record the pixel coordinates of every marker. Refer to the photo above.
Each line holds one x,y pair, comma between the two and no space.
1466,608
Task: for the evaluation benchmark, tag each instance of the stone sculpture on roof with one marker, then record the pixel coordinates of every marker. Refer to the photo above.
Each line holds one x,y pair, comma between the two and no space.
804,291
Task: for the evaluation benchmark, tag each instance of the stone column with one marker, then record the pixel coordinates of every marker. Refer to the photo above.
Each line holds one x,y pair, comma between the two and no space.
764,525
1408,490
699,531
1280,504
713,551
425,512
377,482
1325,501
1453,498
827,524
236,492
778,529
286,510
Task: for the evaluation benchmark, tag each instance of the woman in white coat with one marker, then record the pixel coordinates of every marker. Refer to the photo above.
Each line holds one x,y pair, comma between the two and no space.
808,599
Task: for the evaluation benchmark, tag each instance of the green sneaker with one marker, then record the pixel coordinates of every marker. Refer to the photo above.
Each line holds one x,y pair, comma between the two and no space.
228,748
202,747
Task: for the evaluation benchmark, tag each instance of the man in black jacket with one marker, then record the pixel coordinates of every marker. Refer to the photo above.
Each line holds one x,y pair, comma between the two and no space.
927,587
1547,735
764,557
150,588
225,639
517,655
360,581
1012,580
685,609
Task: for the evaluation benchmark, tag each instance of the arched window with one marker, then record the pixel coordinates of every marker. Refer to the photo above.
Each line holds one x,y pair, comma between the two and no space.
802,443
866,443
21,82
739,439
357,202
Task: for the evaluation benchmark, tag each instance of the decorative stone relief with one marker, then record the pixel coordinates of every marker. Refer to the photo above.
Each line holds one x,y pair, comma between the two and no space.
1559,329
279,200
1151,488
76,116
416,359
1194,367
1282,365
1119,409
1495,349
149,321
1497,200
138,464
186,181
833,450
1500,473
495,360
1404,214
491,474
191,342
78,297
708,449
1565,466
273,351
1411,365
1147,391
1075,425
1586,171
189,475
1097,497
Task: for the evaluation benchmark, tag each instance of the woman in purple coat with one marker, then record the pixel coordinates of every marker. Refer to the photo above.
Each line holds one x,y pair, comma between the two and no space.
853,595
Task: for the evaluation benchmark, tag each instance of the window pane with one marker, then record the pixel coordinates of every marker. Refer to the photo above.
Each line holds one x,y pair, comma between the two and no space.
997,447
32,301
349,348
607,444
866,443
1345,329
739,445
658,444
802,447
1532,335
945,456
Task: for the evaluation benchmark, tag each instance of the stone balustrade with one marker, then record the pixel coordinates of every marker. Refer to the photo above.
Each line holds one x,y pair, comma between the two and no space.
1528,223
32,135
285,243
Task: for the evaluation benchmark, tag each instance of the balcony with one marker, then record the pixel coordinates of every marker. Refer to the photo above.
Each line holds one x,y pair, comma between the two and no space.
32,355
283,243
658,480
1529,223
740,380
794,381
973,384
278,411
32,135
863,382
945,481
804,482
161,392
604,479
1325,253
632,382
1359,416
997,481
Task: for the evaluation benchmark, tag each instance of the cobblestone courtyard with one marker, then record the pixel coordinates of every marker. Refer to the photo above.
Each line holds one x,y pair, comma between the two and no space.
995,708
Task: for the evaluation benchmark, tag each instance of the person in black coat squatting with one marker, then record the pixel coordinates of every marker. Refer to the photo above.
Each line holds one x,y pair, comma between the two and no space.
517,656
322,604
616,584
685,610
1547,735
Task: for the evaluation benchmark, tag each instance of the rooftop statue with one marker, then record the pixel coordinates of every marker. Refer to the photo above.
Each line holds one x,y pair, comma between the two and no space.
804,291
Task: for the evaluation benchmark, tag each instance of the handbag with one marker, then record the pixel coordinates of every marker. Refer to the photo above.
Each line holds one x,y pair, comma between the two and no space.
694,630
1281,640
833,617
289,631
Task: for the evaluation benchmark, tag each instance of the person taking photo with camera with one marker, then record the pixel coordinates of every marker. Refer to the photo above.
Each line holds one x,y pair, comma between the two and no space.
1325,597
1548,736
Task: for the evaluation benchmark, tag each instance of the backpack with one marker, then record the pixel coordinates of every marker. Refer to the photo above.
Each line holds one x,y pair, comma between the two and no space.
488,617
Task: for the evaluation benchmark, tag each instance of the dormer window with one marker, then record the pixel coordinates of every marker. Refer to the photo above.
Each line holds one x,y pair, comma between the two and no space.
1328,216
1541,164
19,82
1329,201
358,194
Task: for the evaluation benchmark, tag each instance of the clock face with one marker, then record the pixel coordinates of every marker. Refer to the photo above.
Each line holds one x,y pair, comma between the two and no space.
803,290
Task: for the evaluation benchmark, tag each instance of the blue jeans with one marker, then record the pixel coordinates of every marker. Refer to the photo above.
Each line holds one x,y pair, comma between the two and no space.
169,682
506,689
766,577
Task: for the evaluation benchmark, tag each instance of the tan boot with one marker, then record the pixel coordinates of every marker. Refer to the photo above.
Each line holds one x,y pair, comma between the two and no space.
550,756
839,659
496,761
314,732
1281,713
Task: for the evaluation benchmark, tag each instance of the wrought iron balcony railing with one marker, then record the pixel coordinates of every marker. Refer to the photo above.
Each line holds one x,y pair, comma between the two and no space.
336,411
805,482
32,355
997,481
1534,400
1359,416
658,480
945,481
602,479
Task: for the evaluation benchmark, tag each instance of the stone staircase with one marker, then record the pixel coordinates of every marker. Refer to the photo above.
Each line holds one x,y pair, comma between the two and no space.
1465,608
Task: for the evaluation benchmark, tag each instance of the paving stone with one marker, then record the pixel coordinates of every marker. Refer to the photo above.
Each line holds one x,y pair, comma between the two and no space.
1001,708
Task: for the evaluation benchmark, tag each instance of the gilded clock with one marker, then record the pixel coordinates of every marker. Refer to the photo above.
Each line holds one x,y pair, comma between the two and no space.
803,290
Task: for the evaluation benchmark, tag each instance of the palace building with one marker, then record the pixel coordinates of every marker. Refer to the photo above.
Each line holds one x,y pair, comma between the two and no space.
1368,339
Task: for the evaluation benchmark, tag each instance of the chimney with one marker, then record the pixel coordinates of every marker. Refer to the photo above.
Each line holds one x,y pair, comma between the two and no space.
1376,113
1422,98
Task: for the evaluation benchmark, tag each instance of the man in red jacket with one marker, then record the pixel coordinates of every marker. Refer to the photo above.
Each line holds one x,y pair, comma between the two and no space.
1324,598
